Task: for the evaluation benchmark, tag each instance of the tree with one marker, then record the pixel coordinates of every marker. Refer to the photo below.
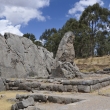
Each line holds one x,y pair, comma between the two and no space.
98,19
38,43
30,36
47,34
50,42
33,39
80,31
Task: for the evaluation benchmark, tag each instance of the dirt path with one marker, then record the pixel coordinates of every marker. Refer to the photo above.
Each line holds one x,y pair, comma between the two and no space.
92,101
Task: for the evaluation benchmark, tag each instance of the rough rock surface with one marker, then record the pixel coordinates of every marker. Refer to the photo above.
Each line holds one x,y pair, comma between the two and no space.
64,65
2,86
65,52
19,57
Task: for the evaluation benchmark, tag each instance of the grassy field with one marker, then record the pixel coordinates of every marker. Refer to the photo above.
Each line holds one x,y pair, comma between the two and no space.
93,63
4,103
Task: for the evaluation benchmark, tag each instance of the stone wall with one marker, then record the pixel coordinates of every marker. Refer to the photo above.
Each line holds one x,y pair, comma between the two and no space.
85,86
27,102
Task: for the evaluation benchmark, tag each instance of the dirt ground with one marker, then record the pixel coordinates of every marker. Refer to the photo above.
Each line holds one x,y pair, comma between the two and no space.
5,104
93,63
91,101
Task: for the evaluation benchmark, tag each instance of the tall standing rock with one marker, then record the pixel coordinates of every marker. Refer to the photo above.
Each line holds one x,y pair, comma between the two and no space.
20,58
64,65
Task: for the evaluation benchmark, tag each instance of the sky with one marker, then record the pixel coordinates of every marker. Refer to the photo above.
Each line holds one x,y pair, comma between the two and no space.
35,16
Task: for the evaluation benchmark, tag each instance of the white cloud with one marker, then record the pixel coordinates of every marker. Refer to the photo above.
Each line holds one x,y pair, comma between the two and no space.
20,15
6,26
18,12
22,11
81,5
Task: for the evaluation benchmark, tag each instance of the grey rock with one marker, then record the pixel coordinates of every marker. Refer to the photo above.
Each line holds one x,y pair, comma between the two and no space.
42,87
35,85
23,86
68,88
2,86
64,65
55,99
32,108
75,88
66,51
25,103
20,58
55,87
95,87
104,84
84,88
66,82
38,97
76,82
67,100
21,97
61,88
14,107
106,69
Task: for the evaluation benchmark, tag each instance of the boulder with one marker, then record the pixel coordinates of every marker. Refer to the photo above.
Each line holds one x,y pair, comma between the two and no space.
25,103
38,97
84,88
64,65
21,58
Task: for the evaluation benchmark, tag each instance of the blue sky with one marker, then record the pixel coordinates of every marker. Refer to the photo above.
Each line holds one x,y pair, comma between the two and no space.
34,16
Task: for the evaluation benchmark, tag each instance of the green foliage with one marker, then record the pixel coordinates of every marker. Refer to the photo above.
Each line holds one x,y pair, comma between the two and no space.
30,36
33,39
98,19
91,32
51,38
38,43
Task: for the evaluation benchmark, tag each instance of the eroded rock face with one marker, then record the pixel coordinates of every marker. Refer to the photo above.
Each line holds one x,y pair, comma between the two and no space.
19,57
64,65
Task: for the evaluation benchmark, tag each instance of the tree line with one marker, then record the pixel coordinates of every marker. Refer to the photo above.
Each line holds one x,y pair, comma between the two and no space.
92,32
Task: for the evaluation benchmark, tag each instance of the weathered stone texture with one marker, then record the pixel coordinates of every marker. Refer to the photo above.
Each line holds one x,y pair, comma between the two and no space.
2,86
64,65
19,57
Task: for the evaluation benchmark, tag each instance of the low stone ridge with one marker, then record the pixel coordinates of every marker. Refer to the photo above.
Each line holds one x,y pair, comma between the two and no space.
64,65
48,98
20,58
25,104
79,85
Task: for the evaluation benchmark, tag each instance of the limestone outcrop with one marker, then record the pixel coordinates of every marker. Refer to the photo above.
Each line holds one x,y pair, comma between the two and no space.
19,58
64,65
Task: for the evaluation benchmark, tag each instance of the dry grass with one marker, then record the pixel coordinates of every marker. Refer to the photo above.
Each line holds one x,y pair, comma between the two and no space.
93,63
106,91
6,105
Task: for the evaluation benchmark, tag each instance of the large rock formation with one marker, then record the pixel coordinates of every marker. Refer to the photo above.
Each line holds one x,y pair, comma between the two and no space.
64,65
19,57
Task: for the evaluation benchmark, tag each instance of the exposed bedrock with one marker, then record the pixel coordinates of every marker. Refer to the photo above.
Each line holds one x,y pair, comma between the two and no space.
19,58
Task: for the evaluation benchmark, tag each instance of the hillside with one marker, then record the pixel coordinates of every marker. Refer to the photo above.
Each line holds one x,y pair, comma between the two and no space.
93,63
